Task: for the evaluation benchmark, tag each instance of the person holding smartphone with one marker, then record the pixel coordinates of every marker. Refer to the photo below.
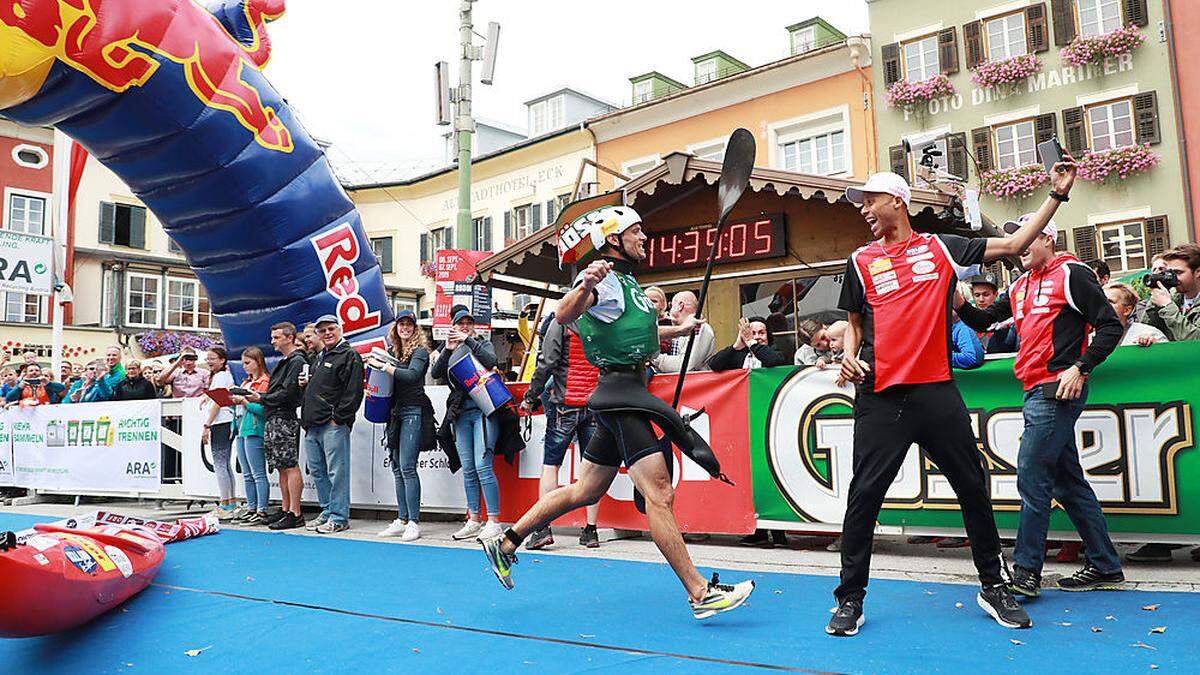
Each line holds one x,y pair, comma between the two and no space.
35,389
1055,304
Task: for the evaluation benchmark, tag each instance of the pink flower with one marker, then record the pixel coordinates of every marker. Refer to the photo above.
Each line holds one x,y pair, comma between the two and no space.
905,94
1006,71
1015,183
1085,50
1117,162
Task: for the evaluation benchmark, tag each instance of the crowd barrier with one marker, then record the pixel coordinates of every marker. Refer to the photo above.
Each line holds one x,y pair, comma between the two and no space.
784,436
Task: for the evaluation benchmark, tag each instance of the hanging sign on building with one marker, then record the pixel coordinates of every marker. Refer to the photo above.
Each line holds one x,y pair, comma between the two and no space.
25,263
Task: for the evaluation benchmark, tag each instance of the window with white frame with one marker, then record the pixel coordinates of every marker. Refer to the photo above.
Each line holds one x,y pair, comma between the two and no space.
1097,17
1016,145
522,221
142,299
714,152
187,305
642,91
822,154
921,59
1122,245
401,304
1006,37
30,156
706,71
940,161
22,308
1110,125
804,40
26,213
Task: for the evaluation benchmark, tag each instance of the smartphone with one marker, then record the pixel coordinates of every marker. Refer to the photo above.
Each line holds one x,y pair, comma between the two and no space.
1050,390
239,391
1051,153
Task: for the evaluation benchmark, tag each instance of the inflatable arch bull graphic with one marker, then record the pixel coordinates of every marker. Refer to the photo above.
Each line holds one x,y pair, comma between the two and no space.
170,96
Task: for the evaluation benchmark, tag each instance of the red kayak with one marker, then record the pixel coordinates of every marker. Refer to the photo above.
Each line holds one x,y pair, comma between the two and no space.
59,576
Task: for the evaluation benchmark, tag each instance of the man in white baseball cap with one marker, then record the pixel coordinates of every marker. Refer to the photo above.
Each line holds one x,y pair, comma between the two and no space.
884,182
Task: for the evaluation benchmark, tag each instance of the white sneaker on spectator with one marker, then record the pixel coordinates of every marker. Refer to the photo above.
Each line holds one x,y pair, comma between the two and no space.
395,529
412,532
240,512
468,531
332,526
492,529
313,524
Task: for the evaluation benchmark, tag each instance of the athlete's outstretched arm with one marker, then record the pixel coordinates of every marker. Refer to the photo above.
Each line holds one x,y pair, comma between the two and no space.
853,370
583,296
1061,180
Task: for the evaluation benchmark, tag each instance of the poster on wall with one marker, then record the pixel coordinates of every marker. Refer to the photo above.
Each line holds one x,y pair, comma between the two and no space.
110,447
26,263
452,288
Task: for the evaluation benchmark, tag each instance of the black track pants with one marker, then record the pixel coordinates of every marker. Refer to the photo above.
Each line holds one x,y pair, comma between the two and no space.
886,424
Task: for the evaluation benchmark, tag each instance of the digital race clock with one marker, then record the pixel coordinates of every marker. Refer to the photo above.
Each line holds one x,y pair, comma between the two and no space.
742,240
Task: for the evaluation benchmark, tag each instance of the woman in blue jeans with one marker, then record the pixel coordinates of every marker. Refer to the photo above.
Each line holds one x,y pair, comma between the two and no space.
474,436
406,344
249,425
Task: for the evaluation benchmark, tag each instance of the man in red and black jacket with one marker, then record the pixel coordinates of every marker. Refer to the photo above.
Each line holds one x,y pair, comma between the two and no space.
1056,304
897,291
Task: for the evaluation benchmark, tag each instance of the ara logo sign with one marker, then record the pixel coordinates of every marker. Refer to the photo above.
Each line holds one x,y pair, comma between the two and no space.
140,468
1127,451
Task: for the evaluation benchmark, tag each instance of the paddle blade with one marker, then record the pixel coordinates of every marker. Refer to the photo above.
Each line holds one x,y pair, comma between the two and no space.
735,170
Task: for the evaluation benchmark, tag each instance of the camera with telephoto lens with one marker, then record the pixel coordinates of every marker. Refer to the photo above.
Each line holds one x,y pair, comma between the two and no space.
1165,278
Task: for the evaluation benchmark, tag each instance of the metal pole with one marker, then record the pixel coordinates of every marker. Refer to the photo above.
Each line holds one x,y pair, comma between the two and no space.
61,181
464,126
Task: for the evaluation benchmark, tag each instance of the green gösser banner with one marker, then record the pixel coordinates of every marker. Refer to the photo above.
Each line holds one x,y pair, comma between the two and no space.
1136,439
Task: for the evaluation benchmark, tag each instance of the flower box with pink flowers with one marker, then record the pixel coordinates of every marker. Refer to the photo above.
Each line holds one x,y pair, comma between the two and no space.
1013,183
909,95
1120,163
1006,71
1085,50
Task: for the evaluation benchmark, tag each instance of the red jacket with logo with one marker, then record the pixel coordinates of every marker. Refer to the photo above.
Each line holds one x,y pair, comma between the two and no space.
904,292
1055,308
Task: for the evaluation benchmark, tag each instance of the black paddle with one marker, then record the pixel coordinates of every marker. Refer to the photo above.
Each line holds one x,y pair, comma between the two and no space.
735,176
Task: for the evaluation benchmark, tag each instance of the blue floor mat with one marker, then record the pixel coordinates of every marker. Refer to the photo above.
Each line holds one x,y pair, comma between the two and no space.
289,603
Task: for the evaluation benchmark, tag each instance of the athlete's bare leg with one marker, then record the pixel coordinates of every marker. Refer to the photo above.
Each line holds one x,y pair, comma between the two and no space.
593,482
549,483
652,480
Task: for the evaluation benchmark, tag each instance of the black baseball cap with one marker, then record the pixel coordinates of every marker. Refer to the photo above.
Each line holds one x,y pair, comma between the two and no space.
984,279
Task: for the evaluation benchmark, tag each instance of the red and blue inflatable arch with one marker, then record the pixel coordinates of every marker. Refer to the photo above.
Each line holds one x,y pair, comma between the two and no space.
170,95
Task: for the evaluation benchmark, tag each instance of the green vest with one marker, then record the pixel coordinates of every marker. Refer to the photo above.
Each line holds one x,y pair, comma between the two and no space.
631,339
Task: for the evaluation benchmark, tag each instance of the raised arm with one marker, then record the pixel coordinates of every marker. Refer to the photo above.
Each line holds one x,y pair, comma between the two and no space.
1061,180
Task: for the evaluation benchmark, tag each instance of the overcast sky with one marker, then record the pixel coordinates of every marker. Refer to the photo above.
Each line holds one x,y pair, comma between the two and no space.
360,72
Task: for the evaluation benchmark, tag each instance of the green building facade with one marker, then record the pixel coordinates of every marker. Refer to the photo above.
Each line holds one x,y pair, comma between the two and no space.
994,79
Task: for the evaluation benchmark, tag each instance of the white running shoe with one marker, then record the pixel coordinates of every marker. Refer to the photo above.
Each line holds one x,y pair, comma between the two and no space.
394,529
412,532
492,529
469,530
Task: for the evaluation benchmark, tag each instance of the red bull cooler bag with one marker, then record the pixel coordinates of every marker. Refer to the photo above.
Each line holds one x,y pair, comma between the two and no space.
377,407
484,387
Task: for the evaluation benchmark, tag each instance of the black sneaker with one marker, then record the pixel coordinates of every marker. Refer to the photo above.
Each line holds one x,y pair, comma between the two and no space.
272,518
540,539
847,619
1003,607
1157,553
288,521
759,538
1025,582
589,537
252,519
1091,579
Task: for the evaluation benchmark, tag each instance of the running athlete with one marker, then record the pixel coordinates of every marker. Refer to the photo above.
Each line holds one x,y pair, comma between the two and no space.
898,291
619,328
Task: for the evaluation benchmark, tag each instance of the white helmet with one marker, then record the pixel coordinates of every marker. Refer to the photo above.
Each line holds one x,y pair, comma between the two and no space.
593,228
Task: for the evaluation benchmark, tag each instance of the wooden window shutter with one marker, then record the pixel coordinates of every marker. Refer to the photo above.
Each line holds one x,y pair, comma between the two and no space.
891,64
948,50
1136,12
1158,239
137,226
385,254
508,228
1062,12
551,211
487,233
981,140
1037,35
1085,242
956,148
1145,115
899,161
973,44
1074,132
1060,244
425,247
108,222
1045,127
536,217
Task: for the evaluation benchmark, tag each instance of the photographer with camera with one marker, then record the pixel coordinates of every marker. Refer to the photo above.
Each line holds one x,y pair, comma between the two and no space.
34,389
1173,308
